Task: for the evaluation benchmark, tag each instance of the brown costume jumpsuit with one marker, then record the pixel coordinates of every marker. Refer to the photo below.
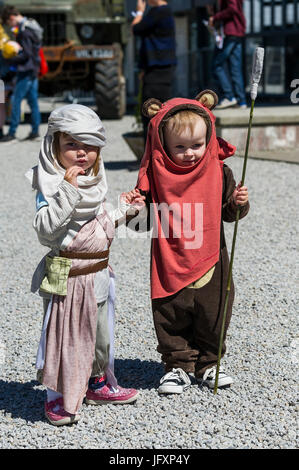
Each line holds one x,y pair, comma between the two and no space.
188,323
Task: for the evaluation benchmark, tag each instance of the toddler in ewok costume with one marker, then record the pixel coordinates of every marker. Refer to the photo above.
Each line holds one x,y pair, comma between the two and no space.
183,168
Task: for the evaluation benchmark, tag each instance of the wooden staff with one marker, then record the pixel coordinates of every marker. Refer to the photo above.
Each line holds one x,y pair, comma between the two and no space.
257,68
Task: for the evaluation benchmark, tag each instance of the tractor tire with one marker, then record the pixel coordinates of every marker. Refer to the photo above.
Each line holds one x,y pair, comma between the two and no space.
110,87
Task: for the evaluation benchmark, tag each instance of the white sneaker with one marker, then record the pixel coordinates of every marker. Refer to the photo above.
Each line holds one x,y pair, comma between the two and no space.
175,381
210,376
225,103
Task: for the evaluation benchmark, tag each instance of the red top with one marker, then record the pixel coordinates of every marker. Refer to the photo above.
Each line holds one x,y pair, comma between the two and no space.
186,234
232,17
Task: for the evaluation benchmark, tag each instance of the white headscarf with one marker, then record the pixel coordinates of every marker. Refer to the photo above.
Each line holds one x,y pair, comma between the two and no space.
84,125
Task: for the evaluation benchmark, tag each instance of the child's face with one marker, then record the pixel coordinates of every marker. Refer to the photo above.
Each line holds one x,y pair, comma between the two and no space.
186,148
72,152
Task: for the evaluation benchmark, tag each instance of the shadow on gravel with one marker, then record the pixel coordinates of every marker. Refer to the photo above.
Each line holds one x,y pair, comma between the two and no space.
138,374
22,400
26,400
122,165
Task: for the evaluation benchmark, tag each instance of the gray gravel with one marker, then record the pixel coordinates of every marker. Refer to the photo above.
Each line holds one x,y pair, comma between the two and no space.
259,411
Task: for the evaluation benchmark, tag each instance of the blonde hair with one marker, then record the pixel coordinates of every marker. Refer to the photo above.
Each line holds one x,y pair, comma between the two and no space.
56,152
185,118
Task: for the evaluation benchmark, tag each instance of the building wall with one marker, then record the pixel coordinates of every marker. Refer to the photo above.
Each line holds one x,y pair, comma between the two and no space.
259,21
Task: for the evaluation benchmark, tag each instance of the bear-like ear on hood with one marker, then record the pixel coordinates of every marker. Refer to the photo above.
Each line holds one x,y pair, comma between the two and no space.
208,98
151,107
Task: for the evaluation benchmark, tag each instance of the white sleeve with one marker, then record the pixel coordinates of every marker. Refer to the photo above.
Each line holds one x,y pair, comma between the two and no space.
52,218
120,214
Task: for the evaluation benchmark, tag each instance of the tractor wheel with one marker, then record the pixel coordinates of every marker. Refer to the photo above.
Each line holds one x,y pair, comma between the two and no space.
110,87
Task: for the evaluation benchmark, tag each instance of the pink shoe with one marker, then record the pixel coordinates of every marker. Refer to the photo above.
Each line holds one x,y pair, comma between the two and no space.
55,413
108,394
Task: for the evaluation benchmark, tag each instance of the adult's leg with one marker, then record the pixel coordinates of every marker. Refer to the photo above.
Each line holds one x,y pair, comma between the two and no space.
22,86
219,67
174,329
32,98
156,83
236,71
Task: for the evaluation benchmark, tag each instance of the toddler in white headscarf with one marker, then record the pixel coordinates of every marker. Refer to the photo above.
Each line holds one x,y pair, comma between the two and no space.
75,354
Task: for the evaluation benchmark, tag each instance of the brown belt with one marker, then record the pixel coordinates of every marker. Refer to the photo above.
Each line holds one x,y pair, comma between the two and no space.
93,268
78,255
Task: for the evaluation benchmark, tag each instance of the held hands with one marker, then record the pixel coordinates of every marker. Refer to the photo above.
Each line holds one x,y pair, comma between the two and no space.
240,195
72,173
133,198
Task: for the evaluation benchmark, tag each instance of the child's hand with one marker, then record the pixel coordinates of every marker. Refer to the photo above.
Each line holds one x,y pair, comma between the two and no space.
240,195
72,173
133,197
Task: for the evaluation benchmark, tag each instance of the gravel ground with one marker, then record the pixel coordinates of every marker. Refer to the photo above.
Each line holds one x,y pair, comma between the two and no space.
258,411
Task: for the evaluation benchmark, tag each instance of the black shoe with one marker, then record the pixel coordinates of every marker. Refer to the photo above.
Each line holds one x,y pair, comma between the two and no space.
32,136
8,138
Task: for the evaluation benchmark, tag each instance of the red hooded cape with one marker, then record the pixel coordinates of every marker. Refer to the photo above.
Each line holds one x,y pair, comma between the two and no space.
186,238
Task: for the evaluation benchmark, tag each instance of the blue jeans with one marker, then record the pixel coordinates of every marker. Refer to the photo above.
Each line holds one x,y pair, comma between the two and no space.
26,87
227,69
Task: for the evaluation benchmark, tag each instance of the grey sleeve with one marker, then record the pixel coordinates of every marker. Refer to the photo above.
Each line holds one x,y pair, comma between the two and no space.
123,213
51,220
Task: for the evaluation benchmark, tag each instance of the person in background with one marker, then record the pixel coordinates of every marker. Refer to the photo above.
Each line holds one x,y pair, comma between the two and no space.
157,56
229,57
4,69
8,74
29,36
